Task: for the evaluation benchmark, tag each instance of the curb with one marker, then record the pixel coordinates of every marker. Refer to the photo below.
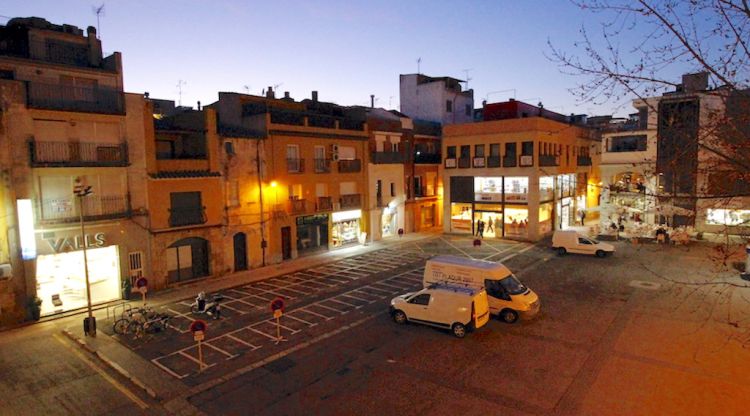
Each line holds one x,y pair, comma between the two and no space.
113,365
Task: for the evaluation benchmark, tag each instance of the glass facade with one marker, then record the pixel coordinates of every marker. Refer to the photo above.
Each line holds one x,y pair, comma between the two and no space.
545,218
516,188
516,221
732,217
461,218
546,188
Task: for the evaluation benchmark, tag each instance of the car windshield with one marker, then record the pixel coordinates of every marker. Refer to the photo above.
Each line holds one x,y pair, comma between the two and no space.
594,241
512,285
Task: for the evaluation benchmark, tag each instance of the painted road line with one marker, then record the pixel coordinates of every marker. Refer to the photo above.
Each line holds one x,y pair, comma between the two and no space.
168,370
328,307
341,301
455,247
274,323
241,341
348,294
289,315
260,332
327,318
506,258
499,252
224,305
117,385
190,357
229,355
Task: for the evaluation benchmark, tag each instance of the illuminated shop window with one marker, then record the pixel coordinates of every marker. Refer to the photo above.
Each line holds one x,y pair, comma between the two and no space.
734,217
516,189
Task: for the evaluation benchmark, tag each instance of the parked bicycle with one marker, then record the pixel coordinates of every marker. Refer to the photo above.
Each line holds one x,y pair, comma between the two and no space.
140,321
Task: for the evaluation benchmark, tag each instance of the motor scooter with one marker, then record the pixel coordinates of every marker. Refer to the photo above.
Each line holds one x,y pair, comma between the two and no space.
210,305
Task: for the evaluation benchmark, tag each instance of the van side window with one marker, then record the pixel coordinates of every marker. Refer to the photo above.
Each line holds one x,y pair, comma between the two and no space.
583,241
423,299
493,288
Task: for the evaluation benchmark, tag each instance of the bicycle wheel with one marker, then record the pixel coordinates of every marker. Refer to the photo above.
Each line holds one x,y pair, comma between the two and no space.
121,326
135,327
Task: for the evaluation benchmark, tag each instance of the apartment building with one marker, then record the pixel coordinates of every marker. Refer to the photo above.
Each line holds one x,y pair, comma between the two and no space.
522,177
437,99
424,204
313,182
65,122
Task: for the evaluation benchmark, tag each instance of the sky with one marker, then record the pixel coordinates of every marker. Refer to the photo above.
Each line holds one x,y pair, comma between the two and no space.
345,50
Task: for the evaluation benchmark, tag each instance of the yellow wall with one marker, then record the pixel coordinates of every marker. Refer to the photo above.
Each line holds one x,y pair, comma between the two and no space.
212,198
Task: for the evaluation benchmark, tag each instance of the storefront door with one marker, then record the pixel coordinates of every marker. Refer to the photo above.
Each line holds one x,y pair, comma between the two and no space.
286,243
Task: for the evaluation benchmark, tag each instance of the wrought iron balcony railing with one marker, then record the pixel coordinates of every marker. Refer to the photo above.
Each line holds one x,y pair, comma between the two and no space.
81,154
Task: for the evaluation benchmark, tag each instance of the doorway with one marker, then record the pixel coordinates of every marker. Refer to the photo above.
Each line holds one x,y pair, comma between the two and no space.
240,252
286,243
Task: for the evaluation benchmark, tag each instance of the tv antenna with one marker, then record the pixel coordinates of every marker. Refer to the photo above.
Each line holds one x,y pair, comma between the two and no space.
180,83
99,12
466,71
419,61
246,88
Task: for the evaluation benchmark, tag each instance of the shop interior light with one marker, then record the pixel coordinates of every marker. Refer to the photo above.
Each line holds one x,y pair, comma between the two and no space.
26,229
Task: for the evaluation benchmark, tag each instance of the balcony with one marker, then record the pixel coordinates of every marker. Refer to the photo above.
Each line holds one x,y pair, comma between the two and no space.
298,206
450,163
350,166
464,162
526,161
295,165
387,157
493,162
351,201
324,203
478,162
548,160
322,165
95,207
509,161
180,217
68,154
584,161
427,158
72,98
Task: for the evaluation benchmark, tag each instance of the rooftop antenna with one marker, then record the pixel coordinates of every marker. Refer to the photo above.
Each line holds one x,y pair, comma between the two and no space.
247,89
466,71
180,83
390,100
276,86
98,11
487,97
419,61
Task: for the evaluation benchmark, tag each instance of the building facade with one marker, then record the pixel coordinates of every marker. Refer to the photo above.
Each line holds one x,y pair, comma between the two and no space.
65,122
521,177
424,204
436,99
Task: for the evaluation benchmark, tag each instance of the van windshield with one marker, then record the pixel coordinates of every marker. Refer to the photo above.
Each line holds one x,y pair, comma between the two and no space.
512,285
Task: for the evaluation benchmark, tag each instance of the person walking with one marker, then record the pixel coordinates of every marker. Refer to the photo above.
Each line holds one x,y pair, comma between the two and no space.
583,217
480,229
490,225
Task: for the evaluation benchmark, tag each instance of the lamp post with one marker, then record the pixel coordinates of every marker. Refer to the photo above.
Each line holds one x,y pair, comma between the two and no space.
81,191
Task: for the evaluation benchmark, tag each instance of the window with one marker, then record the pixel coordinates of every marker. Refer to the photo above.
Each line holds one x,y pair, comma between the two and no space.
448,106
228,148
479,150
510,150
584,241
186,208
292,158
379,188
627,143
465,152
394,147
468,109
451,152
393,189
423,299
495,150
527,148
494,288
233,193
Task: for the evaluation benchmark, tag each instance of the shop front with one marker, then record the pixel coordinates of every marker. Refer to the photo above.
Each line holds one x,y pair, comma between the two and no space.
346,227
60,272
389,221
312,233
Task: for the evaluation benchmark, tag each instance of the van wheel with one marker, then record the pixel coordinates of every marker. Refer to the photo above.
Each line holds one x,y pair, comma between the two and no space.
399,317
459,330
509,316
561,251
601,253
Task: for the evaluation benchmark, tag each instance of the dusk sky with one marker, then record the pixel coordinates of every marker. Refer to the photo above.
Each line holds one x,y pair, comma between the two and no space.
346,50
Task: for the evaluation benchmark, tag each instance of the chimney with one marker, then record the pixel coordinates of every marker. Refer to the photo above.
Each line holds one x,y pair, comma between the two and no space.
315,96
199,106
270,93
146,94
372,100
484,103
695,82
94,47
286,95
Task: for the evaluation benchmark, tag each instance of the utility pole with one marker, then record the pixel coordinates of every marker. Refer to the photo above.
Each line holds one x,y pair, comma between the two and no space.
81,191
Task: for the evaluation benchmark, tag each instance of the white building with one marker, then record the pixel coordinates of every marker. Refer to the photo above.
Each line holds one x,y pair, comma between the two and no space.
437,99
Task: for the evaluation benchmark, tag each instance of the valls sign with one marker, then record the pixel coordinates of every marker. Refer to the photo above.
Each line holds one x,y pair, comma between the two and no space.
59,245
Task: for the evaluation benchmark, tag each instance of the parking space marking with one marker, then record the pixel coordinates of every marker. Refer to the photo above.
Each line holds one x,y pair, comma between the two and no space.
241,312
327,318
219,349
167,369
262,333
348,294
241,341
342,302
274,323
289,315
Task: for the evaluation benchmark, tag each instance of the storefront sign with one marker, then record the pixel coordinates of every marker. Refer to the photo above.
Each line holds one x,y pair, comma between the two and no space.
496,197
59,245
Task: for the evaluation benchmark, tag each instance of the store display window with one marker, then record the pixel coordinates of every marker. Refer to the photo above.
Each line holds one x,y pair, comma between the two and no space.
491,216
545,218
516,188
345,232
461,218
516,221
488,189
732,217
546,188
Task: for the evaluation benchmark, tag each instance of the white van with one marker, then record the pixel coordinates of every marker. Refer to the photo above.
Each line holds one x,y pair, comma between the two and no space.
445,306
509,298
569,241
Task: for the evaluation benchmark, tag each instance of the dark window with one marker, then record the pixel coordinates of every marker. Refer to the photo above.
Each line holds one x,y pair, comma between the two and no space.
643,118
479,150
423,299
393,189
495,150
229,148
449,106
468,110
584,241
186,208
379,188
627,143
451,152
494,288
462,188
7,74
527,148
465,152
510,149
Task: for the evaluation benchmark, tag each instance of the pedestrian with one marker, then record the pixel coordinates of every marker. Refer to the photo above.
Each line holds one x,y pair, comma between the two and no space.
480,229
490,225
583,216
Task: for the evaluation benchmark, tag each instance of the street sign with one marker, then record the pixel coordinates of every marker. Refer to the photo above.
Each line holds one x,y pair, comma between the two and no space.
198,325
277,313
198,328
277,304
141,282
199,336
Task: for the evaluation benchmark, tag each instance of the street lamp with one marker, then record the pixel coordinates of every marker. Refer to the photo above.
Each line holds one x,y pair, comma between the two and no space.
274,184
81,191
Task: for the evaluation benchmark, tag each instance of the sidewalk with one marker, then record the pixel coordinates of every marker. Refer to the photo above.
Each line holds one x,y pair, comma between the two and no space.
154,382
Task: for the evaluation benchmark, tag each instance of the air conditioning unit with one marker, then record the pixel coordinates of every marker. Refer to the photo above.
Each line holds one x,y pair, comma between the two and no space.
5,271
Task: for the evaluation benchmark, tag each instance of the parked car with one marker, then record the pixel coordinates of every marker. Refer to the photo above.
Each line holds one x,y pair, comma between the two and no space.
569,241
508,298
457,308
